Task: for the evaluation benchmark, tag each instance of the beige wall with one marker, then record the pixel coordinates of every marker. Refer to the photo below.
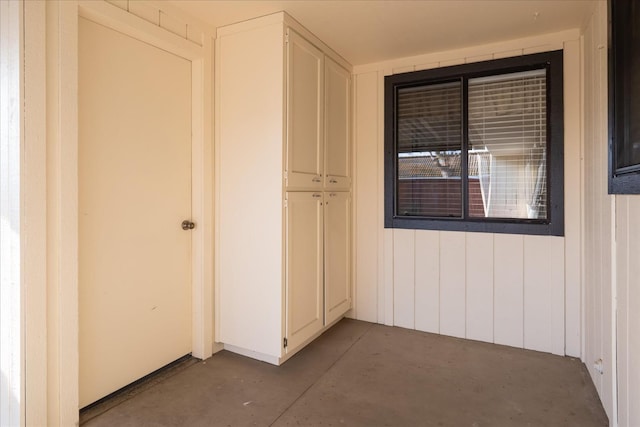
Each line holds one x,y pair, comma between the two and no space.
612,248
517,290
627,291
598,238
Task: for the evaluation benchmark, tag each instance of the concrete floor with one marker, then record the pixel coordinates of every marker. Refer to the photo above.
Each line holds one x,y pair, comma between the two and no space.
361,374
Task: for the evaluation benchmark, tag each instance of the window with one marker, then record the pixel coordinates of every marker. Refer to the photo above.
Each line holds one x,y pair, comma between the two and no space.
624,97
477,147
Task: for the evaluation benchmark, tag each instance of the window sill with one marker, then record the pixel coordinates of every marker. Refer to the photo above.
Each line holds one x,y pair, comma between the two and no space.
481,226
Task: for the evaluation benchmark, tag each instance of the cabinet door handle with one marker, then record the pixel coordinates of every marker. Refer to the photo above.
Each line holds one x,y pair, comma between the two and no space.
187,225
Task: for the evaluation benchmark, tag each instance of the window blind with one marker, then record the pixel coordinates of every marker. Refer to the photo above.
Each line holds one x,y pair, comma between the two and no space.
508,146
429,146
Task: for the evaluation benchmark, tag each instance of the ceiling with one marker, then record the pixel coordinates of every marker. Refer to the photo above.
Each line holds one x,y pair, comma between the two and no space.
367,31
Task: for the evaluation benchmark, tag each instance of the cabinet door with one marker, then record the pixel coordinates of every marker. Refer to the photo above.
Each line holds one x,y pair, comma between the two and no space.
337,148
337,254
304,266
305,111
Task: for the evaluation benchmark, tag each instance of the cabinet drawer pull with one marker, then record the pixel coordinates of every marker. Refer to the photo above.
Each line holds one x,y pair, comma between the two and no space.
332,195
316,195
333,181
315,179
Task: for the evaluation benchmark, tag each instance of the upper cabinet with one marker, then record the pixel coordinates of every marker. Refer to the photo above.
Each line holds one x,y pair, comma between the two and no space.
318,89
305,112
336,146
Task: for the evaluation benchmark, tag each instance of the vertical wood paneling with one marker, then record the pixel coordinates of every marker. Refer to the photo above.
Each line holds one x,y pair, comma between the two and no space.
607,217
403,278
607,227
385,293
479,265
427,281
622,269
385,299
508,289
537,310
556,295
599,246
633,310
592,210
622,274
628,268
573,191
452,283
588,78
597,243
366,197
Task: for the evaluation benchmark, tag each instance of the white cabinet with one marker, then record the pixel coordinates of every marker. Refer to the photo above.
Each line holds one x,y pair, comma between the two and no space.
337,253
304,266
337,149
282,187
305,111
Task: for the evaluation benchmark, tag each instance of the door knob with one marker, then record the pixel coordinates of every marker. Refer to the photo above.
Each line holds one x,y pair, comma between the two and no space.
188,225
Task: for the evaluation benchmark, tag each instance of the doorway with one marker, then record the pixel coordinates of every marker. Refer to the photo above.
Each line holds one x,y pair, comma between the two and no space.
134,184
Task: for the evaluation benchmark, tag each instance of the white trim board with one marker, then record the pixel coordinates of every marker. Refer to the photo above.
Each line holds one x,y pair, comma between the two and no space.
11,134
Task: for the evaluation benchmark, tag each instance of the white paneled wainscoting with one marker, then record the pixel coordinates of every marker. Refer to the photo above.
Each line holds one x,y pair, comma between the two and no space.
598,239
506,289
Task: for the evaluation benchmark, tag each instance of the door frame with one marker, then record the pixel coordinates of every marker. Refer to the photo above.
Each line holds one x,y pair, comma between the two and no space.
62,179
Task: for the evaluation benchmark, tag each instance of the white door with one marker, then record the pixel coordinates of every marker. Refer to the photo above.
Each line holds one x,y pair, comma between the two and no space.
337,254
304,267
134,174
305,95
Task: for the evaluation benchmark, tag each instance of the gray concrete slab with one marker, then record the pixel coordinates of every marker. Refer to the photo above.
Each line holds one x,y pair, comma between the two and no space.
361,374
398,377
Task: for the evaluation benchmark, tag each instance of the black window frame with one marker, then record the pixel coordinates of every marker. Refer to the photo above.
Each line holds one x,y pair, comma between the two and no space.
622,180
552,61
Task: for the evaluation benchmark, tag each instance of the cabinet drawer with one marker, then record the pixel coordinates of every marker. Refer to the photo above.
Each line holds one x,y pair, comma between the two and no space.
303,181
332,182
